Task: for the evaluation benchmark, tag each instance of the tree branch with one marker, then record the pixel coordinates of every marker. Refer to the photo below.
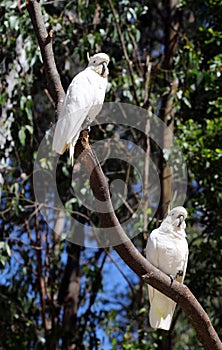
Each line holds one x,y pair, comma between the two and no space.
167,109
40,278
129,63
45,43
127,251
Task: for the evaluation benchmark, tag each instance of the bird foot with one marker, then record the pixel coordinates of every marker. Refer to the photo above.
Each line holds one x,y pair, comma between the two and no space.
179,273
172,278
178,277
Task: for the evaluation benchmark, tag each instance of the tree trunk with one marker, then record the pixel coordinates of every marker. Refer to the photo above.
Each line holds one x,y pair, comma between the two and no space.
68,295
167,111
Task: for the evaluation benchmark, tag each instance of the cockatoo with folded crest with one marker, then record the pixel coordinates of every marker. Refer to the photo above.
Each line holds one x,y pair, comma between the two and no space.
167,249
83,101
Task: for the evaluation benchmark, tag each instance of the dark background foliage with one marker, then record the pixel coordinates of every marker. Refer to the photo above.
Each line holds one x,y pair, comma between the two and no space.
108,308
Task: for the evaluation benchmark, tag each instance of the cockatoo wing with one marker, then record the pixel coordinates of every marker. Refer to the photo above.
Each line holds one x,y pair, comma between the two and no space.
170,255
152,256
83,102
77,104
161,307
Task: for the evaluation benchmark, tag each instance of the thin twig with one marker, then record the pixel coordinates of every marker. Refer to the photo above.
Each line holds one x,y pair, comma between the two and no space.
129,63
147,82
120,270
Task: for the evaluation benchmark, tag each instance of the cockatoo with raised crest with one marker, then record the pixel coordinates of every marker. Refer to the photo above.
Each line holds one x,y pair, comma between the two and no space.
167,249
83,101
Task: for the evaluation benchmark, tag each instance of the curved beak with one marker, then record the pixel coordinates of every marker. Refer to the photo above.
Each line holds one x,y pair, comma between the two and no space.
180,219
103,68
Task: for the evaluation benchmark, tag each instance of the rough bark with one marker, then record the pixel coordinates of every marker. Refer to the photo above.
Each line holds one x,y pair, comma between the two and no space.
167,110
69,289
68,295
45,43
127,251
180,293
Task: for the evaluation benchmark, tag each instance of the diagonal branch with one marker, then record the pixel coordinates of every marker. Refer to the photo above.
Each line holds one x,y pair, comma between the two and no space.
127,251
132,257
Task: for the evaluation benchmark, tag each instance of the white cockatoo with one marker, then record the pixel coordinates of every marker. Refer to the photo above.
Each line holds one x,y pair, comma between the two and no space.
167,249
83,101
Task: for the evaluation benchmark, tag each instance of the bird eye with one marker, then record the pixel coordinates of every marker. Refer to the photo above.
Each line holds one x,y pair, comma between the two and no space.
94,61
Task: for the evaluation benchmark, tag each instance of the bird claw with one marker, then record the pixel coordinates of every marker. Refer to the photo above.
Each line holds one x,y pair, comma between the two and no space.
179,273
177,277
172,278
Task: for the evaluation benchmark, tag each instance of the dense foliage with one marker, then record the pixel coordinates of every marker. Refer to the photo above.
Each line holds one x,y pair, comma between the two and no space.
112,310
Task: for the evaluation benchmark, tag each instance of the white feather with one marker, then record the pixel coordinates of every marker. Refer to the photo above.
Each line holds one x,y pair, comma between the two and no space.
83,101
167,249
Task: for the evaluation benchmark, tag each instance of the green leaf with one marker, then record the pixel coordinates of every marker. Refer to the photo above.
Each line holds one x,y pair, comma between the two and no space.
29,113
22,136
2,244
30,129
8,250
187,102
91,40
